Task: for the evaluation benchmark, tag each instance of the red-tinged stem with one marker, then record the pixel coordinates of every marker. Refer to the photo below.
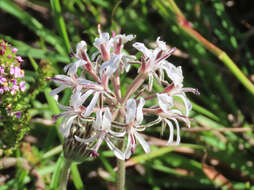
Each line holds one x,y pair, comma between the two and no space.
138,81
116,84
185,26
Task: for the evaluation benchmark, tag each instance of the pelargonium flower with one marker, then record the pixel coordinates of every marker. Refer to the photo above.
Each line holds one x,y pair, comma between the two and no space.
102,126
134,118
119,118
75,110
82,59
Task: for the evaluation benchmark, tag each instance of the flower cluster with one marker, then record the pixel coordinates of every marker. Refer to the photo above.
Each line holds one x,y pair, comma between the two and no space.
13,116
11,75
116,118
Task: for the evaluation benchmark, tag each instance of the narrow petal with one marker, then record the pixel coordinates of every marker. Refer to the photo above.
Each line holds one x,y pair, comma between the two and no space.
165,102
141,47
150,82
171,132
81,46
98,122
173,72
66,125
89,140
139,116
131,107
127,152
143,143
178,137
162,45
107,119
117,134
85,96
109,67
62,107
72,68
75,99
57,90
187,103
90,108
62,79
118,153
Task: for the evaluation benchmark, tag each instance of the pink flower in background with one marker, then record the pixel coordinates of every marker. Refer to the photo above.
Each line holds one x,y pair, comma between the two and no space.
14,50
19,59
22,86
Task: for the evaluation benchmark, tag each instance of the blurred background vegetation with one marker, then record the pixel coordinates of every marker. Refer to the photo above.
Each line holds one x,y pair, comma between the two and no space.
216,153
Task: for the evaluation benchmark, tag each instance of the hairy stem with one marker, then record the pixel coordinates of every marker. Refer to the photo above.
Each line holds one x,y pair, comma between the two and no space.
65,171
120,184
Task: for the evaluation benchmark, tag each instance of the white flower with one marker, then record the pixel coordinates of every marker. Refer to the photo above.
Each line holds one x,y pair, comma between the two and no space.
73,111
66,82
169,114
110,66
81,56
134,118
104,44
153,59
173,72
102,126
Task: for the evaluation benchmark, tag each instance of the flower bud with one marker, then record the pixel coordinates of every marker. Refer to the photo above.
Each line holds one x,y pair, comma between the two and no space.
75,150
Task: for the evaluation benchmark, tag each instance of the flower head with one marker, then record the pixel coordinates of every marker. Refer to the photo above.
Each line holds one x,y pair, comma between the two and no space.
115,117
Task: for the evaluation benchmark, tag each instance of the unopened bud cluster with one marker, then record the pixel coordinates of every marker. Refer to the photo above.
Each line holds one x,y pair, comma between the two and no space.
98,110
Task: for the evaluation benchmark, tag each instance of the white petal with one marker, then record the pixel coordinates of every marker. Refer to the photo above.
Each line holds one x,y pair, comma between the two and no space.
62,79
75,99
178,137
85,96
107,119
125,38
165,102
162,45
89,140
139,116
62,107
103,39
150,82
187,103
90,108
141,47
57,90
185,120
127,152
110,66
131,108
119,154
143,143
171,132
173,72
152,123
81,46
73,67
66,125
98,122
117,134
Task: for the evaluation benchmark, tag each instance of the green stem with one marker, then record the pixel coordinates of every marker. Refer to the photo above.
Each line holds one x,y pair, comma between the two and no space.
186,27
120,174
64,175
121,170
